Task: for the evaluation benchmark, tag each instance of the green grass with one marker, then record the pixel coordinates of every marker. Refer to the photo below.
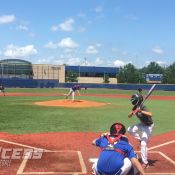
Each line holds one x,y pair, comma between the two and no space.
19,114
89,90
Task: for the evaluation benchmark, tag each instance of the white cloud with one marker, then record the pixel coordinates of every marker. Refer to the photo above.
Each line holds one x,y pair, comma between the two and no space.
98,45
161,63
68,43
54,28
66,26
68,59
158,50
15,51
68,50
91,50
119,63
147,62
7,19
22,27
119,52
81,29
73,61
50,45
59,61
98,62
32,35
82,15
41,61
98,9
131,17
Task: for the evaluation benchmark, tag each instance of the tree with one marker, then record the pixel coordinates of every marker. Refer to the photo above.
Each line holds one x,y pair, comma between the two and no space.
169,75
106,78
128,74
153,68
121,76
142,76
71,76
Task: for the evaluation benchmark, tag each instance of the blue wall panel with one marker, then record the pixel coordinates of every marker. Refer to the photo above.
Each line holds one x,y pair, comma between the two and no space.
120,86
29,83
32,83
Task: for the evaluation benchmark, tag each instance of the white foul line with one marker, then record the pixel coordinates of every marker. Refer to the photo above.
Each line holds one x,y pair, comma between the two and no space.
19,144
166,157
163,144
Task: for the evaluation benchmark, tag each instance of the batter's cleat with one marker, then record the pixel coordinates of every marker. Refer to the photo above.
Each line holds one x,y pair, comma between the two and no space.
145,166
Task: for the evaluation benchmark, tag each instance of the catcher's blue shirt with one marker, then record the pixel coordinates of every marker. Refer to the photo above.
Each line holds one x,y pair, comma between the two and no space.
110,161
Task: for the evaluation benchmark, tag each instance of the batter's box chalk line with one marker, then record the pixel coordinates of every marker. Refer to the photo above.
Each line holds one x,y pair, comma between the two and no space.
27,155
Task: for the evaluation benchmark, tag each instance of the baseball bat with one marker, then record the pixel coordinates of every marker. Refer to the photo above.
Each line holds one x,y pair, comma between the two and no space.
149,93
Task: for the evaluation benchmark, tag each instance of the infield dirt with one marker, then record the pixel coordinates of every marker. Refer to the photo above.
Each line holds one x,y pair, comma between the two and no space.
70,103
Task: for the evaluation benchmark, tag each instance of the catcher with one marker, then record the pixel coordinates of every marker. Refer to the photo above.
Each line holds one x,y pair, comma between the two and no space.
143,130
2,89
117,156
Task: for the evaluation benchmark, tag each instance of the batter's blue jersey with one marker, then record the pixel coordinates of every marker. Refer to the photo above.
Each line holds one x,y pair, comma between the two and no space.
110,161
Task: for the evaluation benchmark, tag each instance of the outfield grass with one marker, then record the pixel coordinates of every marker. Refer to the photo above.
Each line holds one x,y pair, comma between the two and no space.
19,115
89,90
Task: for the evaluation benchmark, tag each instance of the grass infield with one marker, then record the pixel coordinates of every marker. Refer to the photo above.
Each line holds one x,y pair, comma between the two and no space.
19,114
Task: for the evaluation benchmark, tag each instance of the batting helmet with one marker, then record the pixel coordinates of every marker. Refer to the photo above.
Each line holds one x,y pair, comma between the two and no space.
117,128
136,99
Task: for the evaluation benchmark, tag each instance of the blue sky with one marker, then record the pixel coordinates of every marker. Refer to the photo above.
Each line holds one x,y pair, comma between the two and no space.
88,32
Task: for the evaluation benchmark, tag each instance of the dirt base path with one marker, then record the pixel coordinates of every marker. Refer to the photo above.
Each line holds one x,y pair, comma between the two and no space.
153,97
69,153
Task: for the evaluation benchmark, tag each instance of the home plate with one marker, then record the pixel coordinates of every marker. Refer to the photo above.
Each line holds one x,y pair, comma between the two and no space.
93,160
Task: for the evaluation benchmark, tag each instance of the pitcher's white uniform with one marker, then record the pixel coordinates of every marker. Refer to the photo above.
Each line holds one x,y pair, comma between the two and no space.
72,91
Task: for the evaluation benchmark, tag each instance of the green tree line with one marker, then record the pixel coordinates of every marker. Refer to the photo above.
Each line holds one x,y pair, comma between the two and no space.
130,74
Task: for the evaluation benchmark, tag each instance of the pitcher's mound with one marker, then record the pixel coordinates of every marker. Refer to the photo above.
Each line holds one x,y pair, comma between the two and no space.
71,104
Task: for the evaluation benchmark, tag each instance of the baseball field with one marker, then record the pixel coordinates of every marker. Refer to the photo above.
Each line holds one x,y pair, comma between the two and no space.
43,120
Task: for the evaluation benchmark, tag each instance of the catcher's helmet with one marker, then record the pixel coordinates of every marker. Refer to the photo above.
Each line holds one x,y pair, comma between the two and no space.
136,99
117,128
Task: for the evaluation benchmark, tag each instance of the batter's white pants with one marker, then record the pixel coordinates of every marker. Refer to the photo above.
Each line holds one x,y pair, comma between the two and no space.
142,133
124,170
